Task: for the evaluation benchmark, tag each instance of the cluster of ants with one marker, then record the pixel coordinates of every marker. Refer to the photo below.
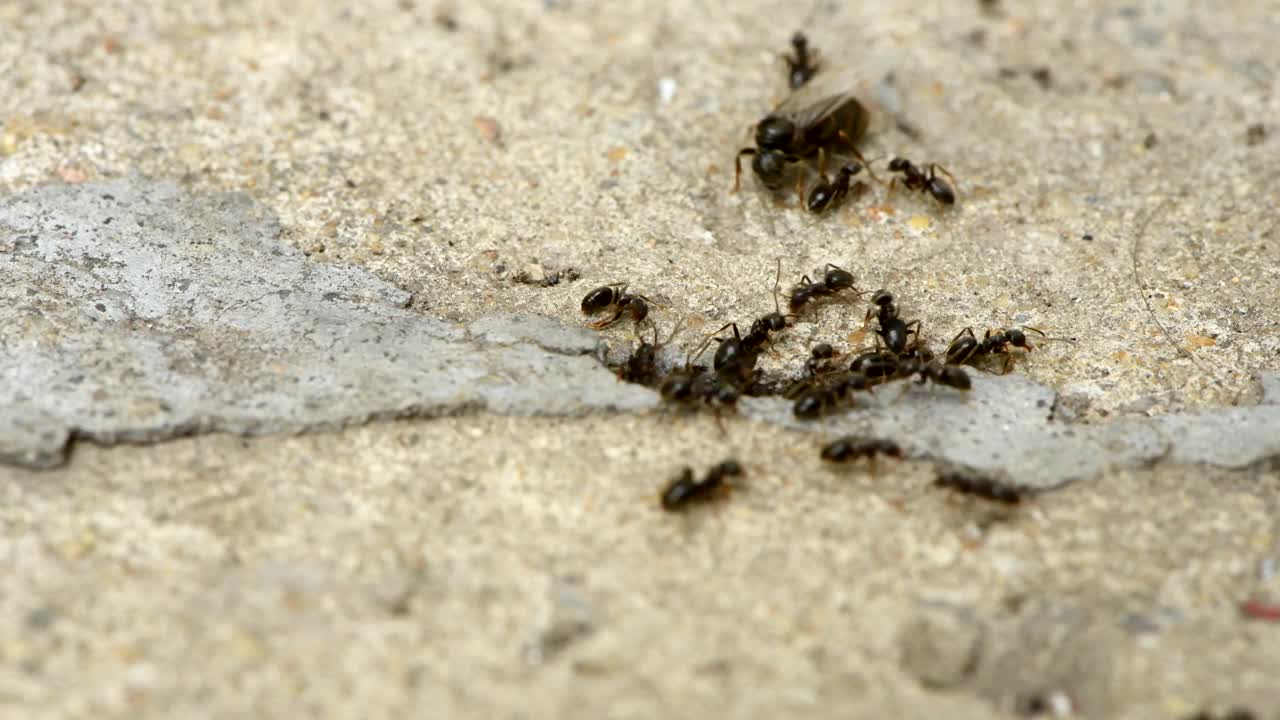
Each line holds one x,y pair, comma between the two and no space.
828,382
813,123
830,379
816,122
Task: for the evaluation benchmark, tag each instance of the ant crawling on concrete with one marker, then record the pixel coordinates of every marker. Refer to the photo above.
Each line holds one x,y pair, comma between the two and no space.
803,63
684,490
820,357
735,358
966,348
878,365
894,332
642,365
834,280
936,373
850,448
828,194
691,385
913,178
971,482
616,298
813,399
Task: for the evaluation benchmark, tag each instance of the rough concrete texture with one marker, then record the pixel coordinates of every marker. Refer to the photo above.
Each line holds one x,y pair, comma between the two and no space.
137,312
528,571
1117,181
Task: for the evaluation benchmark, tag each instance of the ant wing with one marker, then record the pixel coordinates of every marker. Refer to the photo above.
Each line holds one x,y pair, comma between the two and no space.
817,99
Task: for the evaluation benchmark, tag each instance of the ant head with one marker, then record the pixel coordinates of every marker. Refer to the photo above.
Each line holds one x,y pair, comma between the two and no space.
799,40
770,166
851,169
639,308
774,133
899,164
882,298
822,351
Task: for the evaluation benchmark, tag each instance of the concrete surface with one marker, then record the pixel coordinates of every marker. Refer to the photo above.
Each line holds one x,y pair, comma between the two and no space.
137,312
492,158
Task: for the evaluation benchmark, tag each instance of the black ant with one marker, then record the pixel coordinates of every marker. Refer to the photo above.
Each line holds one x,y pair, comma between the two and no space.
965,347
692,384
813,400
833,281
940,374
877,365
684,490
775,321
913,178
642,365
971,482
894,332
828,195
803,64
819,355
804,123
615,297
921,363
850,448
735,358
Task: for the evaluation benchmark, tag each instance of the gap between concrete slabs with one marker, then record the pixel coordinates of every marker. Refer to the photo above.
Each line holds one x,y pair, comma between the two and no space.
136,311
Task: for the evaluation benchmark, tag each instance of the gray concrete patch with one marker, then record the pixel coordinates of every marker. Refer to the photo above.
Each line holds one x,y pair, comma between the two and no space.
135,312
1004,427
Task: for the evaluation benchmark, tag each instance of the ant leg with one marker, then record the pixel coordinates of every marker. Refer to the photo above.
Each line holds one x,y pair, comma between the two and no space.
865,163
962,332
1008,363
822,164
701,349
935,167
866,319
651,302
1037,331
737,167
915,330
733,325
602,324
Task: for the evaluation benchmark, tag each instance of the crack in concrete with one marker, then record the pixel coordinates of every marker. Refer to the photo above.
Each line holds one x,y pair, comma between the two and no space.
238,332
129,331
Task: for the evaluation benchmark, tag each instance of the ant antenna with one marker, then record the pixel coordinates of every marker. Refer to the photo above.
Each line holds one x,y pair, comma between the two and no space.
688,363
674,329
